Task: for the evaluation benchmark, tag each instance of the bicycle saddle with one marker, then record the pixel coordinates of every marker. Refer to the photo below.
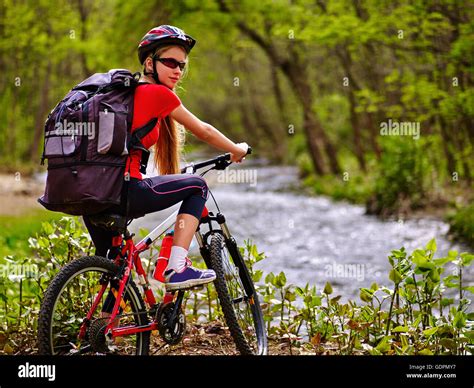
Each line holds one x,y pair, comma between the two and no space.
110,222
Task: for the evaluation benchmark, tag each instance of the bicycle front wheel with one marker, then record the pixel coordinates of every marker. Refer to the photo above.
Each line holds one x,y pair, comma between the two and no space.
238,298
70,297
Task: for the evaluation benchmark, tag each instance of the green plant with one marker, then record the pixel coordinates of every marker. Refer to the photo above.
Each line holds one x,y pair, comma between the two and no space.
419,315
462,224
414,317
27,276
401,183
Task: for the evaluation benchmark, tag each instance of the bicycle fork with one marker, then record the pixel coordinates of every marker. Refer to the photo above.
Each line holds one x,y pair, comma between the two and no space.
230,243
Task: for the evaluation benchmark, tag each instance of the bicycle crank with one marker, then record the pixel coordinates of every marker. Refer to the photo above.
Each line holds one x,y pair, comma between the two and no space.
171,321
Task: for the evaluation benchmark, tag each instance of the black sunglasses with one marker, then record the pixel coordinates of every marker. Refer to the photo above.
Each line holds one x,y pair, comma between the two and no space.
172,63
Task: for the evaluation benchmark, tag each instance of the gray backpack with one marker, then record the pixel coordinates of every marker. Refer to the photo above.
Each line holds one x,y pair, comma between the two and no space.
87,140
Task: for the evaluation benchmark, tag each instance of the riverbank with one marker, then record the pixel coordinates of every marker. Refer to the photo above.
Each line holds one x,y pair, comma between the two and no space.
19,194
448,204
21,215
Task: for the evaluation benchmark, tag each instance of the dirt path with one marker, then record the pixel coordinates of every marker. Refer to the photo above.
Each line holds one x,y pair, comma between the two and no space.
19,194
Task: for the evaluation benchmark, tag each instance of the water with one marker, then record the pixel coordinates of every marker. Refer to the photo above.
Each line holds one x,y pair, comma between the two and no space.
312,239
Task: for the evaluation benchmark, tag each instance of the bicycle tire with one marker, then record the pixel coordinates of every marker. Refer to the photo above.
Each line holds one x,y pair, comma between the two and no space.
251,339
64,278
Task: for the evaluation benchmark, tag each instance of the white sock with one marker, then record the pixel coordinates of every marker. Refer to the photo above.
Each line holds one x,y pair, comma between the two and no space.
177,259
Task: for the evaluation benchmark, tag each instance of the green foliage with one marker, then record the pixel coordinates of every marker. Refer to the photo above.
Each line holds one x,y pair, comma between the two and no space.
351,184
17,229
420,318
412,318
359,64
356,189
462,224
25,276
401,182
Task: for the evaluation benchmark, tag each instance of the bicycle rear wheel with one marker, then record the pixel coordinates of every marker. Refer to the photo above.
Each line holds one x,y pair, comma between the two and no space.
69,298
238,298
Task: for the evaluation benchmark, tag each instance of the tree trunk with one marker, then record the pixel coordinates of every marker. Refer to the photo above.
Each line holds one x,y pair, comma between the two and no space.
446,142
311,129
374,135
40,115
309,125
312,126
83,14
260,118
346,62
359,150
331,151
13,118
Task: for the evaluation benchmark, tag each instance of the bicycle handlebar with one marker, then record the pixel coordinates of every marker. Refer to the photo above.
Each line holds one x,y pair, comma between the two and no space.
221,162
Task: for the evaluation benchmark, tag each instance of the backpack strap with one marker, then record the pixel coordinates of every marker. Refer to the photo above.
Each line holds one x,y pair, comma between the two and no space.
135,142
144,161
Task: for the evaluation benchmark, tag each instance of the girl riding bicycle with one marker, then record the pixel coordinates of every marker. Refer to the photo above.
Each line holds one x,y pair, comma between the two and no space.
163,52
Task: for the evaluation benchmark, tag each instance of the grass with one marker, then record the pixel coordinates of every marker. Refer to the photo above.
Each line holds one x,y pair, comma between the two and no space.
16,230
355,189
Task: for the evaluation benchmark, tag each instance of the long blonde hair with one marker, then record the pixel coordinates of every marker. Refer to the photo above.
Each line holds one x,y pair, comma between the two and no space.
168,147
170,141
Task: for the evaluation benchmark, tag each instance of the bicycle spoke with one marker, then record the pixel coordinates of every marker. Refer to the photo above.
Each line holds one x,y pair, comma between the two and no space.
71,305
239,298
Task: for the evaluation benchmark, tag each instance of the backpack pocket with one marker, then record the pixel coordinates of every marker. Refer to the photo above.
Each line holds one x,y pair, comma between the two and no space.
64,128
112,136
57,146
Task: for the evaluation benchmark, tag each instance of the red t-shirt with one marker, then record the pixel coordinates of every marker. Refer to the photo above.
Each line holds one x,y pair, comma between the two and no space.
150,101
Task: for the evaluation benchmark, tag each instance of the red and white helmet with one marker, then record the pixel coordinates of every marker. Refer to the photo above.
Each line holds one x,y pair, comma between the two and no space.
161,36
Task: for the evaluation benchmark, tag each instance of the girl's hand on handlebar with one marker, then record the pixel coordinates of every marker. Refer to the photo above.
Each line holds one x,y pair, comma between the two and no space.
237,156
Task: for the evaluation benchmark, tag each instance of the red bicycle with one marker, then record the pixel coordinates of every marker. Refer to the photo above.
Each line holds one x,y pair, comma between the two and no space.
72,318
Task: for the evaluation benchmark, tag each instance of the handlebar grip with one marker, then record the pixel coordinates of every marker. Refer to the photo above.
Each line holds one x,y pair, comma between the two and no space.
227,155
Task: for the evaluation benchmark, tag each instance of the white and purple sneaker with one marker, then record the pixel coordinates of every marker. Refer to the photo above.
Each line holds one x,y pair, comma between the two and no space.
188,277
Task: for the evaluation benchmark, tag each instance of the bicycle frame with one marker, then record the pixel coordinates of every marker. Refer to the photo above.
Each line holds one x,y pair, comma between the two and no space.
131,253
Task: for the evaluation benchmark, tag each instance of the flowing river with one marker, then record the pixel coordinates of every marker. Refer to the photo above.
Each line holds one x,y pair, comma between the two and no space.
312,239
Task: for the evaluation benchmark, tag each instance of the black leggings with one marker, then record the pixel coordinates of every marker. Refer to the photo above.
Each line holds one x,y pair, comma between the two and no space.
153,194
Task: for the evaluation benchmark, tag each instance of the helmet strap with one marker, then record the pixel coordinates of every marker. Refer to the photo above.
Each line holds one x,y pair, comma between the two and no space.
154,74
